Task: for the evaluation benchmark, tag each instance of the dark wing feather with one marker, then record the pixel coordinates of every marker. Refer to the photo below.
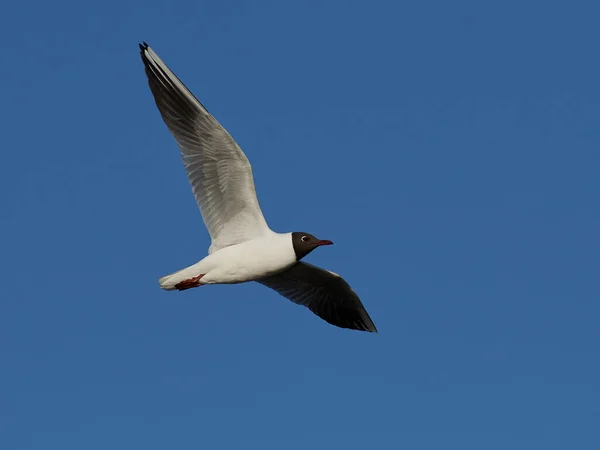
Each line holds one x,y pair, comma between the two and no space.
325,293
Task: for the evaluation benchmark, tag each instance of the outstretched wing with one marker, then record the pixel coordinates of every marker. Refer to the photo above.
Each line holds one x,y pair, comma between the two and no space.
325,293
218,170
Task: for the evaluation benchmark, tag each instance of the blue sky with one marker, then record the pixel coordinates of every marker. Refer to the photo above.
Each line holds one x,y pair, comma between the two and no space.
451,151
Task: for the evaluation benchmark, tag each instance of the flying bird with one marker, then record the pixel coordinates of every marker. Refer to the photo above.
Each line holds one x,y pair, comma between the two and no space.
243,247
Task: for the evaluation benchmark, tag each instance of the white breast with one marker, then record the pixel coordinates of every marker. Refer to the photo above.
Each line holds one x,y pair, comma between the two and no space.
250,260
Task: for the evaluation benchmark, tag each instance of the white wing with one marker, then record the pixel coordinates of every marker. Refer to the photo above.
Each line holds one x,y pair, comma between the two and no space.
325,293
218,170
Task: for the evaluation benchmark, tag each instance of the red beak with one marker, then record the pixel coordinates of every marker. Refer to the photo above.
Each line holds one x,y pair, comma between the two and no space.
319,243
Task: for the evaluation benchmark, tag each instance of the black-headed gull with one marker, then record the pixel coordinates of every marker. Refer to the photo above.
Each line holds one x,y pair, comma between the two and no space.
243,247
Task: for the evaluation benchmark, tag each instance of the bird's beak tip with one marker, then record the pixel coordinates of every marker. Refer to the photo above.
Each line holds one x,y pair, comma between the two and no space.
325,242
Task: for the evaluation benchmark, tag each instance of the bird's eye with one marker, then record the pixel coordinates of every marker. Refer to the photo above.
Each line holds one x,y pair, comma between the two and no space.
304,238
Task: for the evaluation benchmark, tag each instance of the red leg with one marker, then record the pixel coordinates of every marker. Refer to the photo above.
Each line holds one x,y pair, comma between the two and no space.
189,283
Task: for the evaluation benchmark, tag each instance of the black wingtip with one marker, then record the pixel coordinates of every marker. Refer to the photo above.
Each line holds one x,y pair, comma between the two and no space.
143,47
369,324
372,329
368,327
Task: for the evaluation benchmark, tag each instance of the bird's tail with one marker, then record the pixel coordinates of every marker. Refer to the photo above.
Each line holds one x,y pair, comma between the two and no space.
182,279
166,282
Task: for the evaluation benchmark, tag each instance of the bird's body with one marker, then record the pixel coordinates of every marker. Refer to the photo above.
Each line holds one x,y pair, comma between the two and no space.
247,261
243,247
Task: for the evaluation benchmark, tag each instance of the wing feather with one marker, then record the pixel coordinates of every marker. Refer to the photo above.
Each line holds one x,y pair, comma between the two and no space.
323,292
217,169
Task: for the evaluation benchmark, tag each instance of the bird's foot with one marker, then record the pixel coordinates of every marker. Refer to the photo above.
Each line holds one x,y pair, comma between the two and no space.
189,283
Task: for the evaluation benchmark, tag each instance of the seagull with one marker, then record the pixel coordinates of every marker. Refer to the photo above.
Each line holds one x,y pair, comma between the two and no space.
243,248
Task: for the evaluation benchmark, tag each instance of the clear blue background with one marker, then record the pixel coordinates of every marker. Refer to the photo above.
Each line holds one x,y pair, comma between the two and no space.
451,151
